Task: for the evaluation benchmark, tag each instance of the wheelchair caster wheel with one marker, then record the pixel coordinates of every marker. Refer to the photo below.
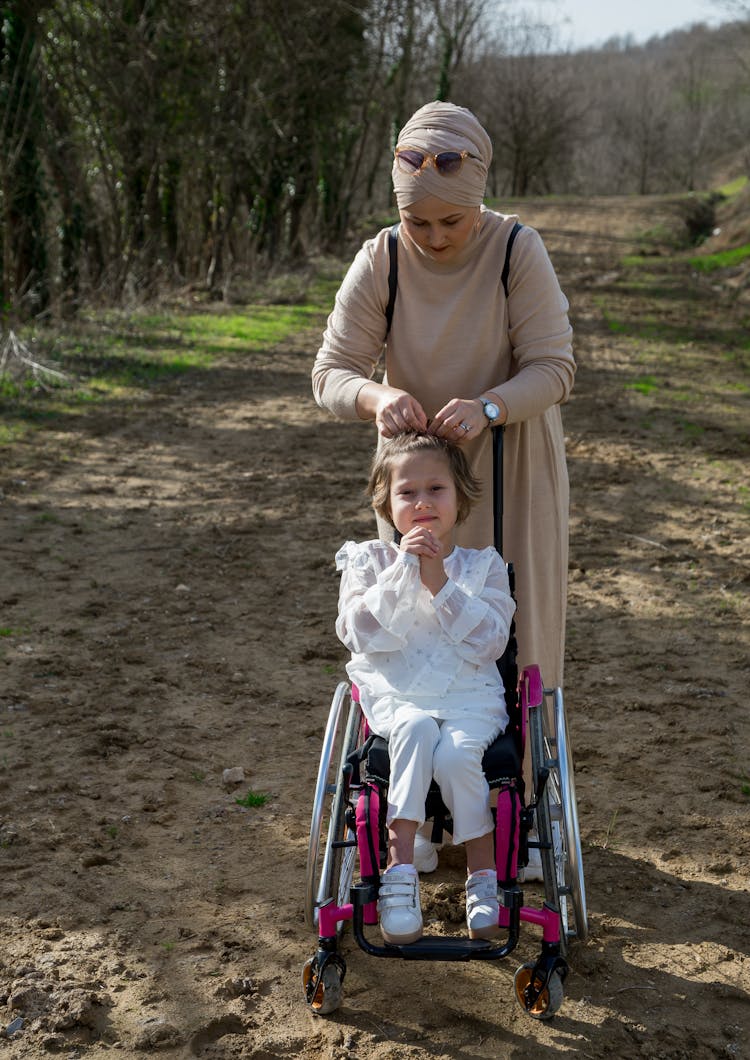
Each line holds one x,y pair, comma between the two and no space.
327,993
539,1005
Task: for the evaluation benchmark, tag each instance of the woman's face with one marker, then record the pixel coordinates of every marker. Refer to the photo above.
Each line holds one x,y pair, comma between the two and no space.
439,229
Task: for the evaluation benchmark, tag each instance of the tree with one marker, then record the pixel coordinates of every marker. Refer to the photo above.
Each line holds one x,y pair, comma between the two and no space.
457,22
24,258
532,107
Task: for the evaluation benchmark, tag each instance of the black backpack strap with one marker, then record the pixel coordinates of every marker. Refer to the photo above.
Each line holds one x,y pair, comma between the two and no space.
506,267
392,275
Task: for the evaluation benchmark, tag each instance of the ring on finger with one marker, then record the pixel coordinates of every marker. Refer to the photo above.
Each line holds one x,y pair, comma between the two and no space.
465,427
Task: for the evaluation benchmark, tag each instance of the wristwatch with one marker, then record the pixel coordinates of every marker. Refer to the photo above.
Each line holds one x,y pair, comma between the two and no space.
491,411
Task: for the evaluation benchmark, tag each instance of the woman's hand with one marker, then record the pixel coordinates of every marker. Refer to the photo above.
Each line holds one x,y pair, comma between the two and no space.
460,420
393,410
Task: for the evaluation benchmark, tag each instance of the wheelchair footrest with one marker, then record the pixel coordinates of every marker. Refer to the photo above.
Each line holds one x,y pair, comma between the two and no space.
438,948
434,948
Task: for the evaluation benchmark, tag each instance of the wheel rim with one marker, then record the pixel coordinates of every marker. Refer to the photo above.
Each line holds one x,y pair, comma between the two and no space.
540,758
322,792
522,981
573,876
557,820
330,870
327,996
339,862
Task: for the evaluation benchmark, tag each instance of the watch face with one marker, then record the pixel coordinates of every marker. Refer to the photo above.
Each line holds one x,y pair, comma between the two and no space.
491,410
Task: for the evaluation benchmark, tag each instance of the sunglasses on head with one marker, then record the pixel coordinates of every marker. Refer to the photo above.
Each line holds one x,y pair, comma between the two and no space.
410,160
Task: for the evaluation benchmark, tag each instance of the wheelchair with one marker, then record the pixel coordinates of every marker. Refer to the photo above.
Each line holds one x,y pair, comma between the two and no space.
347,844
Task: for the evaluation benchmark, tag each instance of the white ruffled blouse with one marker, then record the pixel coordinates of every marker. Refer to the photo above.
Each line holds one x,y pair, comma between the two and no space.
436,652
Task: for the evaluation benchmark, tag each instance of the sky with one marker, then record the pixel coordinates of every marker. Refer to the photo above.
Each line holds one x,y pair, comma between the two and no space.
591,22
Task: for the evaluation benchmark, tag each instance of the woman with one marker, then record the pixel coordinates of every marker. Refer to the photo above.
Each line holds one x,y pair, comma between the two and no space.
460,355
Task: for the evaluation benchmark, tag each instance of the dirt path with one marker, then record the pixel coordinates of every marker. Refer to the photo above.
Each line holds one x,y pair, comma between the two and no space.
168,598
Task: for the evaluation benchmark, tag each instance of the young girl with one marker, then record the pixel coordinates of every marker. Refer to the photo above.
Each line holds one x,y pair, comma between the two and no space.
425,621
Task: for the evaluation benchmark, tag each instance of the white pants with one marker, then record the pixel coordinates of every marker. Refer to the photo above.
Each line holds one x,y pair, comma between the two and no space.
422,747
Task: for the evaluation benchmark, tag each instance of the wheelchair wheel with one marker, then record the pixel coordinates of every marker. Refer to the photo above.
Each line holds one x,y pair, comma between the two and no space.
330,861
328,994
549,1000
557,819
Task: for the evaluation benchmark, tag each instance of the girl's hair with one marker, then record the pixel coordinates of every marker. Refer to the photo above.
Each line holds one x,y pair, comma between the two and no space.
468,488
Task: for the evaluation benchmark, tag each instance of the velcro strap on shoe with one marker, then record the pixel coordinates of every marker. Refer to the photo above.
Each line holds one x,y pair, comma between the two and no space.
480,890
399,891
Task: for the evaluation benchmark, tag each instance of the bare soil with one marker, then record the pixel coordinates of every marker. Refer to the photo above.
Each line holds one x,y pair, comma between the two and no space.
168,598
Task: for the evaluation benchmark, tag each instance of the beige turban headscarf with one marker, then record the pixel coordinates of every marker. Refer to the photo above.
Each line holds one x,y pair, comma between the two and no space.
444,127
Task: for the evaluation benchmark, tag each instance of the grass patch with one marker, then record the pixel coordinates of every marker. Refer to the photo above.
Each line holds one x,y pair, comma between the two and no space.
724,259
692,430
617,327
733,187
111,356
653,267
252,799
645,385
257,328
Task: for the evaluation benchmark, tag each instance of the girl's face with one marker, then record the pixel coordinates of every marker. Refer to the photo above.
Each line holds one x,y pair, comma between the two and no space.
440,230
423,493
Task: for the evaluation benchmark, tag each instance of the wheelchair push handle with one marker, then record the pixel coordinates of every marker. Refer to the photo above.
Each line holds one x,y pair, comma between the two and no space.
497,486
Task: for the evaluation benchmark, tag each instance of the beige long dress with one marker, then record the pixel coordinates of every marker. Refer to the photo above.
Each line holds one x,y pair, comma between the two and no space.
455,335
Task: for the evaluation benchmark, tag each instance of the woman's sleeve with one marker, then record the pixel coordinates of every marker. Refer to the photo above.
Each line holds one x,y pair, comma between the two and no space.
539,332
354,336
478,625
376,602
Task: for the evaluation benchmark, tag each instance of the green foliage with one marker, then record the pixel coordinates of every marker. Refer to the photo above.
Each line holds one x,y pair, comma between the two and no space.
692,430
731,189
724,259
173,145
112,356
252,799
646,385
617,327
258,327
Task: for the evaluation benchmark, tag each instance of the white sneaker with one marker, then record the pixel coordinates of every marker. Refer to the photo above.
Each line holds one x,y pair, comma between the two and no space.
398,906
482,907
533,871
425,854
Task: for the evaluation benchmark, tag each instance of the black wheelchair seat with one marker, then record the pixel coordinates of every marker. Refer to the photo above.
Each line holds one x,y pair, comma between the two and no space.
501,762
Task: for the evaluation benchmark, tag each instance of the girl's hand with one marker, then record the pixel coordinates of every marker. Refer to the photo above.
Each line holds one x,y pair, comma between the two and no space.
421,542
397,411
460,420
